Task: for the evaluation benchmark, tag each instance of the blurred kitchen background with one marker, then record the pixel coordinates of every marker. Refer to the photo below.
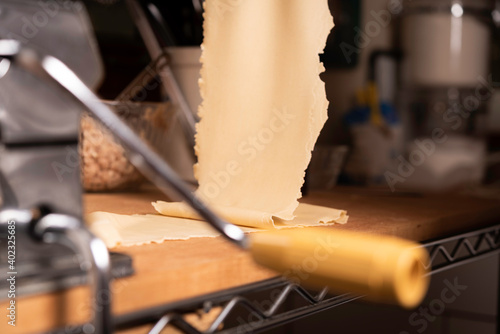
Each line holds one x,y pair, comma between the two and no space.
413,85
414,93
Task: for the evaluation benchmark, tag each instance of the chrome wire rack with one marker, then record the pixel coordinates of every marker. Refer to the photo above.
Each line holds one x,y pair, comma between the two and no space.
462,249
250,308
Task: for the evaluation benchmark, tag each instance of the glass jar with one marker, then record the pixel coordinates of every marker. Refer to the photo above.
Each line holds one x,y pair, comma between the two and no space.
104,164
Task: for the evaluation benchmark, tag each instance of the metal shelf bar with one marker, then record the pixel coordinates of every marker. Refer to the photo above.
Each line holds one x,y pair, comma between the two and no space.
474,246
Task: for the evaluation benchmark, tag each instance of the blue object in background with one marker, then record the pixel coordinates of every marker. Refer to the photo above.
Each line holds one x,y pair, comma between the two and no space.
361,115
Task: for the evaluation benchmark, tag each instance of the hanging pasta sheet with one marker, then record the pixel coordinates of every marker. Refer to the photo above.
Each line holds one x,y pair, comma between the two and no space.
263,108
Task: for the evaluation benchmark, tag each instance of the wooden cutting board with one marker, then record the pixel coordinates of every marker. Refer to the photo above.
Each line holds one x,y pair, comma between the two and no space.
176,270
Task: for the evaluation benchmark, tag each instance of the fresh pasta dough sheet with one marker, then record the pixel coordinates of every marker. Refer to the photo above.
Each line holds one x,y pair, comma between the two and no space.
264,105
134,230
304,215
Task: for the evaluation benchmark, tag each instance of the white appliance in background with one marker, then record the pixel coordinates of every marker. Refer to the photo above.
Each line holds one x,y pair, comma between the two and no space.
446,43
446,87
186,66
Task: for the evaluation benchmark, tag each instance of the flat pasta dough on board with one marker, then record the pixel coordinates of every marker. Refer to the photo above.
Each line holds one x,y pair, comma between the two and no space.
305,215
133,230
